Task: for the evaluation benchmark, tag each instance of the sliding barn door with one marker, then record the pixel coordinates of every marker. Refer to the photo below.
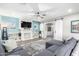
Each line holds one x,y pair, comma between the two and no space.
58,32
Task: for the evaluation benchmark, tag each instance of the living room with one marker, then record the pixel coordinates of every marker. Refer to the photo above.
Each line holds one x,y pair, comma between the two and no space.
38,29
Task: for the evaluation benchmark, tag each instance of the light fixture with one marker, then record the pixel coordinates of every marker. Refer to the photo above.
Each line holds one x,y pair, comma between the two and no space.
69,10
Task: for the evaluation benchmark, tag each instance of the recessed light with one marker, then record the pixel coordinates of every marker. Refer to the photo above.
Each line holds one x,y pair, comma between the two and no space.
69,10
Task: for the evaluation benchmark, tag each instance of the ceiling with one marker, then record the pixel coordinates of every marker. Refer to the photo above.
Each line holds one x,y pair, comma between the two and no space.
50,10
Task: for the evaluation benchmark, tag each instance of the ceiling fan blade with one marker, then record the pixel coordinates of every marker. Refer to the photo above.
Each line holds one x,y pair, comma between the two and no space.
35,7
49,10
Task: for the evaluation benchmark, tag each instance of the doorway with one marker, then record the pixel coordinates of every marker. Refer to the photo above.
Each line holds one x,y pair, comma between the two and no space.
50,31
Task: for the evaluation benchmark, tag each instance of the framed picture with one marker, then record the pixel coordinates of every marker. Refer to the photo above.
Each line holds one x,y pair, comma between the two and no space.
0,26
75,26
49,28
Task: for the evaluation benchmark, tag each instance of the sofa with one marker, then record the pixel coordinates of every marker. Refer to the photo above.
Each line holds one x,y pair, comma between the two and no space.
19,51
64,49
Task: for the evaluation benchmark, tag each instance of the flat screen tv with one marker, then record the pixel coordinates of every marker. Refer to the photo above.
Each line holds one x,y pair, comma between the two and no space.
25,24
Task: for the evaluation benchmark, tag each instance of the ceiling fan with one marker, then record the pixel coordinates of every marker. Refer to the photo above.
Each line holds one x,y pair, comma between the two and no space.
38,14
36,11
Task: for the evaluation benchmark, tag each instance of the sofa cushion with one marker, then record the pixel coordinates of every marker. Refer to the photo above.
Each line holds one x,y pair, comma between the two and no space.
16,49
44,53
53,42
2,52
20,53
56,42
53,48
61,51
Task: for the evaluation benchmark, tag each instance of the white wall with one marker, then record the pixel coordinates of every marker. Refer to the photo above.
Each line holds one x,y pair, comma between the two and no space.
67,26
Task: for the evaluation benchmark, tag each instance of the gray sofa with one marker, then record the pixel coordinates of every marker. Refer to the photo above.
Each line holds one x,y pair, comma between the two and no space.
59,50
19,51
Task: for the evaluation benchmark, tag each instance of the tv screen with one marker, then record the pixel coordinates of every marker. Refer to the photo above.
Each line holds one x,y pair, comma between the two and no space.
26,24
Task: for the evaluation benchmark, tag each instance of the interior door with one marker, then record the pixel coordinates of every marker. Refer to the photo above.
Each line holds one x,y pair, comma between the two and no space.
58,32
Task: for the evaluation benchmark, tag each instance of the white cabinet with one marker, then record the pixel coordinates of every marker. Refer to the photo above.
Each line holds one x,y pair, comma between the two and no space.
26,34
